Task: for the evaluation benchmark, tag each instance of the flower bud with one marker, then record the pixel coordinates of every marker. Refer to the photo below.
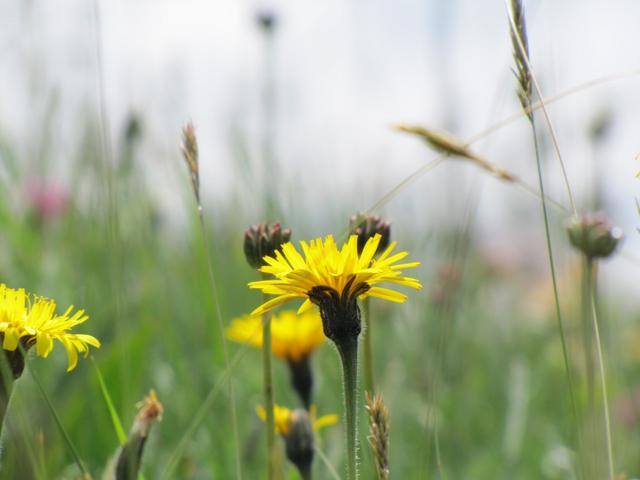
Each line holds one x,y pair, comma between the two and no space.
366,226
299,442
263,239
593,235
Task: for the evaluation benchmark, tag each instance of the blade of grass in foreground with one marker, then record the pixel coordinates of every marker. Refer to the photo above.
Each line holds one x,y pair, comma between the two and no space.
115,419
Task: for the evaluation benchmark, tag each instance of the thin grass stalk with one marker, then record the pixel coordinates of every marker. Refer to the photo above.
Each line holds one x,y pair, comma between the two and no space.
445,310
521,52
191,156
367,348
214,292
268,392
412,177
439,463
554,283
113,413
603,377
199,416
348,350
331,469
526,79
65,435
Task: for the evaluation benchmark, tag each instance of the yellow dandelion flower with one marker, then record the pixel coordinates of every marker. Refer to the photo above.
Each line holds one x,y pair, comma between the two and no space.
325,269
32,320
285,418
293,336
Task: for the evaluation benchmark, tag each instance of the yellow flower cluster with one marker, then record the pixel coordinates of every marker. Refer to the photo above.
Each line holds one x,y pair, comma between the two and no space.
32,320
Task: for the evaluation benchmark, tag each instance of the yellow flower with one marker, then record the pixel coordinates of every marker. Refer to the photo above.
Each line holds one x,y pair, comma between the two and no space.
285,418
31,320
329,269
293,336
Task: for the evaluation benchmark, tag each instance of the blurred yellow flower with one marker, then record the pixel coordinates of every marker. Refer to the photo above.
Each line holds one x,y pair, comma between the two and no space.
284,418
293,336
342,271
31,320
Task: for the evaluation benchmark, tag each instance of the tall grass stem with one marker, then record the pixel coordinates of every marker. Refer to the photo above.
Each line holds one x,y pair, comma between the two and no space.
522,53
554,283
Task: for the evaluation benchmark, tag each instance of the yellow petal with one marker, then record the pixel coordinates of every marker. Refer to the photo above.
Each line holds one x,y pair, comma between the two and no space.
324,421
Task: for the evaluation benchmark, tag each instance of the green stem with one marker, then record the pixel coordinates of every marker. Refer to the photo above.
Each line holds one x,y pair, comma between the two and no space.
348,349
369,382
6,388
556,296
268,392
603,378
587,346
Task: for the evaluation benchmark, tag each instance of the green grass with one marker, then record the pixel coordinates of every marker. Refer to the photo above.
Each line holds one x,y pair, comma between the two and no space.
484,368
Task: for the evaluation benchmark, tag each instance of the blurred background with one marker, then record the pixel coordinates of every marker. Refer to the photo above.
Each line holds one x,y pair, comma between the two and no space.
294,104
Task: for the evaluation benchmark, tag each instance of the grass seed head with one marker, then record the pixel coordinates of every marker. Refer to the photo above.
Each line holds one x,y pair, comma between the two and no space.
378,433
190,154
520,45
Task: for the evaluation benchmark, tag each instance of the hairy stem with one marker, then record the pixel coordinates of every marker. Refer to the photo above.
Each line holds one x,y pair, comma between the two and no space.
348,349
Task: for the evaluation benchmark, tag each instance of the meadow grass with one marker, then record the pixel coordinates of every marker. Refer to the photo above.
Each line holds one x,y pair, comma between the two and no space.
473,369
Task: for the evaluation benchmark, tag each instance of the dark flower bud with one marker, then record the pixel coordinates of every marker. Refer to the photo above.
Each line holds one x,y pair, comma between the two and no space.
302,379
366,226
263,239
593,235
299,442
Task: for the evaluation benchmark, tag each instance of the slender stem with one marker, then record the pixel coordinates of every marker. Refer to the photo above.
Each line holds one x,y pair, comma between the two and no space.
556,296
587,345
214,294
268,393
603,378
348,349
6,387
369,382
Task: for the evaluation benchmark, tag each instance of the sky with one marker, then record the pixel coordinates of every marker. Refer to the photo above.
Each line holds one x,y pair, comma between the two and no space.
342,73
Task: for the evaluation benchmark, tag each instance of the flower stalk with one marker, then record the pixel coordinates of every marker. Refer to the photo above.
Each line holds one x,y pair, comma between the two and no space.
268,393
348,350
11,367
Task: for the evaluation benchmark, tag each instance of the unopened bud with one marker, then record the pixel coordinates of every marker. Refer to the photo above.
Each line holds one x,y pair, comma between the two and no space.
366,226
263,239
299,442
593,235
